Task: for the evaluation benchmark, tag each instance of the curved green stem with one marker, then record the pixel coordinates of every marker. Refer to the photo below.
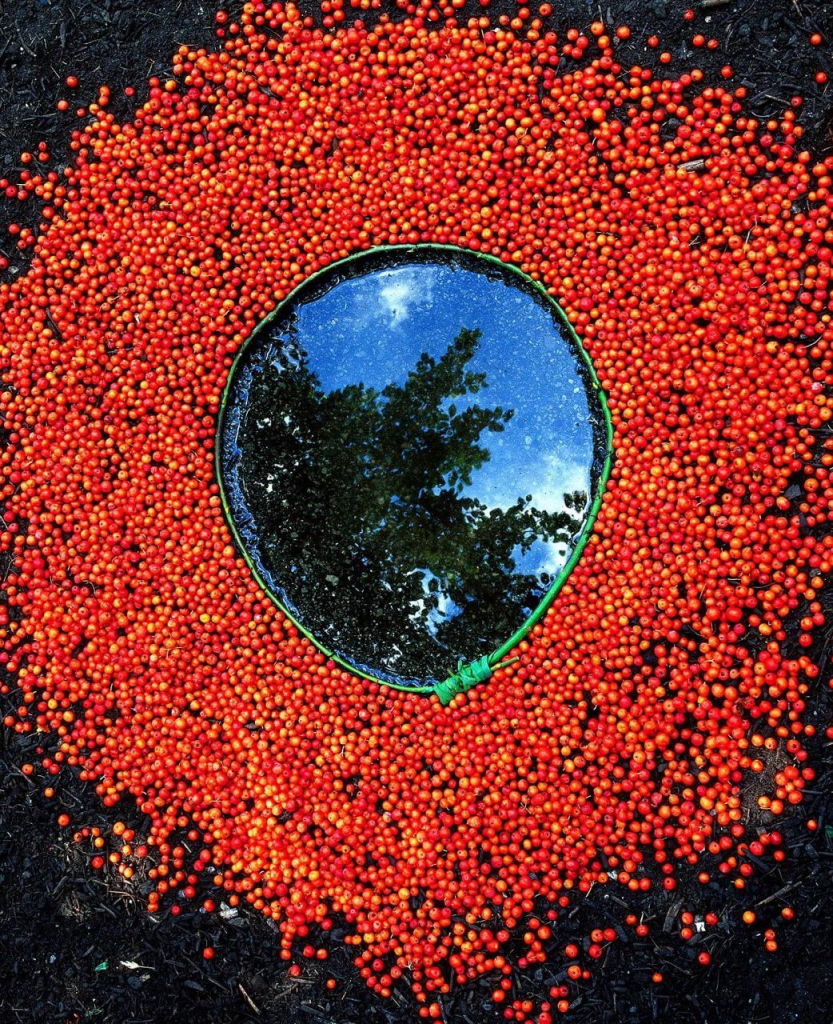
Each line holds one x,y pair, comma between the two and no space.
481,670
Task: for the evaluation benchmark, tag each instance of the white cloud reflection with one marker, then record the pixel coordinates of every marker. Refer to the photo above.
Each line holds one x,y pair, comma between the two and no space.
437,616
396,294
559,476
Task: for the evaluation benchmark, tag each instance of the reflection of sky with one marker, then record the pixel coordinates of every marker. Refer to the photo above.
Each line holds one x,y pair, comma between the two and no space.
445,609
370,327
374,327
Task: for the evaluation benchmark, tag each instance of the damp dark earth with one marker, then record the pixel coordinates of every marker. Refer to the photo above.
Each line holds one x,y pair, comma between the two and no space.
447,403
77,945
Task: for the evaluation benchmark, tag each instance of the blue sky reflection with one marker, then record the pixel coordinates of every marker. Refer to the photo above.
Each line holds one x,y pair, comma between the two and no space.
350,339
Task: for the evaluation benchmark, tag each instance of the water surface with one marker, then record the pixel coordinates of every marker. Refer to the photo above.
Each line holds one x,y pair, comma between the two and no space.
409,450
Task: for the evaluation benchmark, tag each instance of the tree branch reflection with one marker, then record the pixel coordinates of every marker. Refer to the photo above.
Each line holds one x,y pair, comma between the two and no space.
366,508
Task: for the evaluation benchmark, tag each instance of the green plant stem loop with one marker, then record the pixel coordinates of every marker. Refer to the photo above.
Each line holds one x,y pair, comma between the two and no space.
468,676
481,670
464,679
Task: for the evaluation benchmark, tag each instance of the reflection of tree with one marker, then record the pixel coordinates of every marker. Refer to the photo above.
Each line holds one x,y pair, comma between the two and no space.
363,495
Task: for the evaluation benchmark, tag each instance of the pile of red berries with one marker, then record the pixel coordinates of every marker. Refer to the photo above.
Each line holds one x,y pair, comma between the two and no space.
694,257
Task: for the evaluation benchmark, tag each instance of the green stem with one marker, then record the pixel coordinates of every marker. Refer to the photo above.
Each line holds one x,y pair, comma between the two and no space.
482,669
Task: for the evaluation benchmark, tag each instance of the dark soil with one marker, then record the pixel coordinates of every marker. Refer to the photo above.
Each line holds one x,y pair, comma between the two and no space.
76,944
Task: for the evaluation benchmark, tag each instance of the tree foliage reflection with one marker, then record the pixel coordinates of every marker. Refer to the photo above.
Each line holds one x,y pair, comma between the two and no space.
366,517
